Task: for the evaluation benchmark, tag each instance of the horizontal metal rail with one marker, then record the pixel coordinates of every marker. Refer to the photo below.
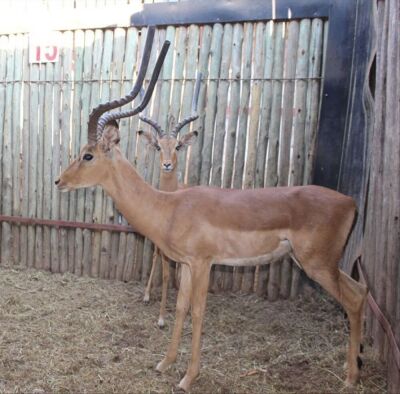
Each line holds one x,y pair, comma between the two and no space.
66,224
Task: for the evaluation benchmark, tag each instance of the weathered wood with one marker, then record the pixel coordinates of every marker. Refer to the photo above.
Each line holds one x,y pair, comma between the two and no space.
252,135
211,106
25,155
128,143
242,126
86,94
313,95
222,103
65,152
186,56
16,145
84,205
193,176
233,108
393,123
6,150
284,143
299,118
33,131
116,84
231,125
55,167
219,136
48,184
273,142
265,120
105,95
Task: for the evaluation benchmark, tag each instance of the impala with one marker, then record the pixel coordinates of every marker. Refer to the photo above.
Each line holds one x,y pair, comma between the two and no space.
201,226
169,145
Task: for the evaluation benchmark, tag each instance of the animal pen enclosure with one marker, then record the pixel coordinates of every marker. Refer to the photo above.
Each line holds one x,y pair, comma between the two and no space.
264,83
259,104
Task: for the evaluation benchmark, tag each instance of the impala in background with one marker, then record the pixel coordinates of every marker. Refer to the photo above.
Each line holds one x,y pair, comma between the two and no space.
169,145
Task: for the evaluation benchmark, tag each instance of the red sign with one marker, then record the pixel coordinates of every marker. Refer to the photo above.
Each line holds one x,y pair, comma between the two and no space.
43,48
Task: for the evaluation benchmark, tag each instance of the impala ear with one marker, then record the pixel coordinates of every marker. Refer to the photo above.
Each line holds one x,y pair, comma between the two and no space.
149,137
110,137
187,139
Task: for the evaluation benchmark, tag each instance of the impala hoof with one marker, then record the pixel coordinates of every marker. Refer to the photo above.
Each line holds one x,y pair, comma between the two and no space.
163,365
161,322
184,384
146,299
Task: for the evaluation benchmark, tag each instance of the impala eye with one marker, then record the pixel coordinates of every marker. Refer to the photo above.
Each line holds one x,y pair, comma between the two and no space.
178,147
158,148
87,156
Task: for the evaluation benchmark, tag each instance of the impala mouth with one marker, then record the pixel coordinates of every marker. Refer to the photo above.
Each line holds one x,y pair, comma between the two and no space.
64,188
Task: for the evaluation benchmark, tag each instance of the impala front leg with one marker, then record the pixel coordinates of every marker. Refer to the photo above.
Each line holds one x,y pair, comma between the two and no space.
182,307
165,279
200,280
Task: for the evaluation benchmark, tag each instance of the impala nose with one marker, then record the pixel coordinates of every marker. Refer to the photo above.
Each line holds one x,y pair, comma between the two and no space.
57,182
167,166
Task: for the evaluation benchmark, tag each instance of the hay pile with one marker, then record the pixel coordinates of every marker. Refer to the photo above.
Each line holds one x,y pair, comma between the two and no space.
60,333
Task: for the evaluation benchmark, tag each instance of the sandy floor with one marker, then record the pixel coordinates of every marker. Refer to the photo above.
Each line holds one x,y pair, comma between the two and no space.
60,333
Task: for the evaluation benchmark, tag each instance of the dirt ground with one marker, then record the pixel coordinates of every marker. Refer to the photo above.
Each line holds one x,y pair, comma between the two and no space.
64,334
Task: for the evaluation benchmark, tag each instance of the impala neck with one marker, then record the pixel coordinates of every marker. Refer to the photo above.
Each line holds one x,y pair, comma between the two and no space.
169,180
145,208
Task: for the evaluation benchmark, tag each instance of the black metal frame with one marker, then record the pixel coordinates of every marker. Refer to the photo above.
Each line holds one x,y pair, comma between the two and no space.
340,73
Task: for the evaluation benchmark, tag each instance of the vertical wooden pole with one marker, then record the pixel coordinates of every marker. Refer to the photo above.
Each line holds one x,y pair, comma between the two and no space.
265,120
84,204
298,150
286,133
105,96
116,92
55,164
25,154
194,167
6,150
33,131
242,126
313,96
215,65
233,110
47,131
219,137
273,141
185,60
66,135
252,136
16,144
128,145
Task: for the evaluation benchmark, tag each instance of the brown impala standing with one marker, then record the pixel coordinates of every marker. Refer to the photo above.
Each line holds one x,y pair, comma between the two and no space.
168,144
201,226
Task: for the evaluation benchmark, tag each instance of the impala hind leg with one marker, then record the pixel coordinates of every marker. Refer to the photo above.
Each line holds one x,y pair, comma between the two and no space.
182,308
200,281
147,291
351,295
165,279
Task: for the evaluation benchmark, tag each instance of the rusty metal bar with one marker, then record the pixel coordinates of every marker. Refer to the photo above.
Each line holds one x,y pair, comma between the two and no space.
376,310
66,224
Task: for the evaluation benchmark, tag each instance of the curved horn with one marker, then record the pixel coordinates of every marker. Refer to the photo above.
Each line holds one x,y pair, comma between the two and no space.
104,119
154,124
194,115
